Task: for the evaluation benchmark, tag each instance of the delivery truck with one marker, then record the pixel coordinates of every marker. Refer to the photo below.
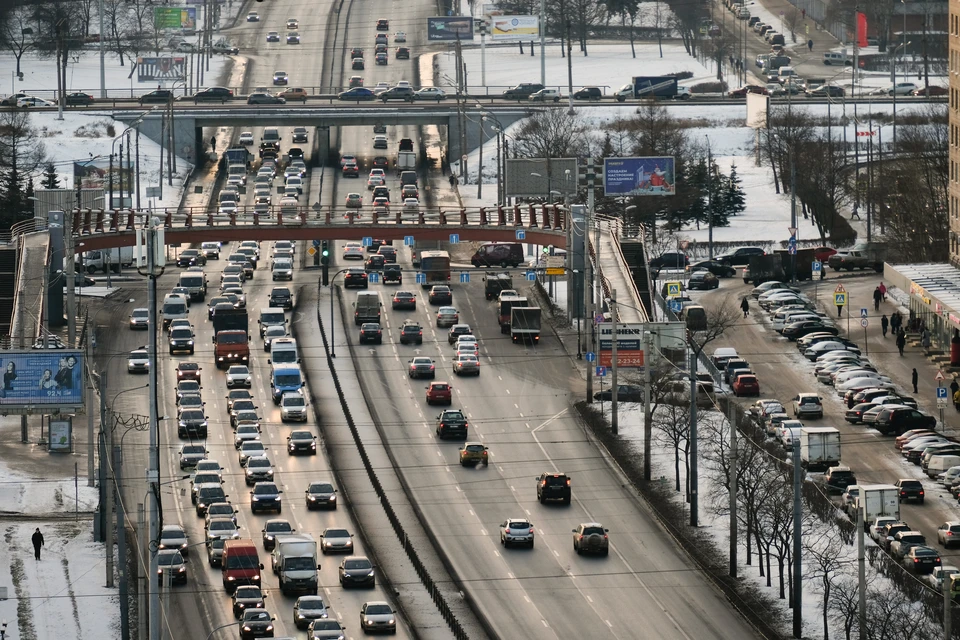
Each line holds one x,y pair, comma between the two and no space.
504,308
781,266
100,260
231,342
294,561
819,448
406,161
660,87
525,324
877,501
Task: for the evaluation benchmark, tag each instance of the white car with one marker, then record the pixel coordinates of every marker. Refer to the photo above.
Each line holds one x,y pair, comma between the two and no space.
293,407
138,362
844,376
378,172
246,138
399,36
879,524
245,433
222,528
826,346
353,251
411,205
465,340
430,93
857,384
238,376
296,182
780,322
33,101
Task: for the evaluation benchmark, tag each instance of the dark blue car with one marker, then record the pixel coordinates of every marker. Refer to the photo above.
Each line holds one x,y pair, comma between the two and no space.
357,93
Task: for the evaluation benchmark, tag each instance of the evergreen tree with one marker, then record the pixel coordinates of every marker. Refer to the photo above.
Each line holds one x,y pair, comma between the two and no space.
50,178
12,199
30,190
695,182
716,198
735,198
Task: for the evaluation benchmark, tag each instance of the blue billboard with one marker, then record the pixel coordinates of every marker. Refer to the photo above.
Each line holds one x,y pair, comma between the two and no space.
450,28
32,379
646,176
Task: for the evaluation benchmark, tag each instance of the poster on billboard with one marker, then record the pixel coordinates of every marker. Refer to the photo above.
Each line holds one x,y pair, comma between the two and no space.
61,435
490,10
95,174
41,379
514,27
629,345
175,18
450,28
161,68
647,176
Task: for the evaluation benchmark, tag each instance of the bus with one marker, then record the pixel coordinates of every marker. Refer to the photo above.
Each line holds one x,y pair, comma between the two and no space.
435,267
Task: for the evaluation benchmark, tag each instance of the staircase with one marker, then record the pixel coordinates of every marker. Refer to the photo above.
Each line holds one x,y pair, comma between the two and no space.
8,289
636,260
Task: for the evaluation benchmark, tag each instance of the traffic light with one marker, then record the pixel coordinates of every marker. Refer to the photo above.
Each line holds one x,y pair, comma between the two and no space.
324,253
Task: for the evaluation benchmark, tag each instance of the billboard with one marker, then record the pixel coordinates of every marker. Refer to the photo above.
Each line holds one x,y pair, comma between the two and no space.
450,28
629,345
61,435
647,176
537,177
162,68
491,10
175,18
41,379
514,27
95,174
758,106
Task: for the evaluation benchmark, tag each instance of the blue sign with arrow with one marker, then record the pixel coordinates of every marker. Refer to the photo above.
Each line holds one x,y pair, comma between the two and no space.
408,241
591,356
464,277
366,241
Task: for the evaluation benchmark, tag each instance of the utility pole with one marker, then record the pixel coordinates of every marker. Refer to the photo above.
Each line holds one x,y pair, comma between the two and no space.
91,437
947,590
107,461
569,71
694,480
122,548
589,286
862,576
647,402
22,344
103,64
614,422
543,43
734,480
710,208
153,473
797,564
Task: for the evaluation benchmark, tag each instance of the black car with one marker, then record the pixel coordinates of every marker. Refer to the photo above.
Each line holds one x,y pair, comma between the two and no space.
213,94
191,258
192,424
716,268
371,332
160,96
245,598
265,98
910,489
300,135
355,278
411,333
374,263
553,486
799,329
403,53
357,571
838,478
389,254
256,623
207,496
301,442
357,93
458,330
273,528
392,273
266,497
181,339
404,300
625,393
398,93
380,162
741,257
281,297
522,91
321,495
441,294
670,260
452,423
588,93
79,100
897,421
703,280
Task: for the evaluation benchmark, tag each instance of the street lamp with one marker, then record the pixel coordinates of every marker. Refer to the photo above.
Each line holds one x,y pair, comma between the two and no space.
133,125
893,80
333,324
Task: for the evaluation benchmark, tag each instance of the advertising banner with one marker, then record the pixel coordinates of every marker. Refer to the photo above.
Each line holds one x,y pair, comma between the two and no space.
34,379
647,176
95,174
514,27
629,345
61,435
175,18
162,68
491,10
450,28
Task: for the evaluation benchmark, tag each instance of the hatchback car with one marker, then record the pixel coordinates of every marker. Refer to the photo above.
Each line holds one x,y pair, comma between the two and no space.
439,393
474,453
515,531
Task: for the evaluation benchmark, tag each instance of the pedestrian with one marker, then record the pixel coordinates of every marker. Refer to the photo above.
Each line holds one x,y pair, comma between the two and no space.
956,401
877,297
37,543
856,209
839,311
915,378
453,181
884,323
745,307
883,291
803,14
954,387
213,143
901,343
823,273
810,45
850,401
925,339
895,322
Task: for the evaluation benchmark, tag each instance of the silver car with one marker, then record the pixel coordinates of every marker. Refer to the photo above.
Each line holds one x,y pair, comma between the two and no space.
222,528
377,616
466,364
516,531
250,449
591,537
334,540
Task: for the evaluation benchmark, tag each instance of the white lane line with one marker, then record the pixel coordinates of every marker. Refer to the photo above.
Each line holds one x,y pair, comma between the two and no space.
512,489
500,378
516,406
508,391
483,532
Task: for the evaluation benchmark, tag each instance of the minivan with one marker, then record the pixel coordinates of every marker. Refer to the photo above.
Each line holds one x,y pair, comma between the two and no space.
174,308
271,134
284,379
367,307
271,316
498,254
838,58
284,351
240,564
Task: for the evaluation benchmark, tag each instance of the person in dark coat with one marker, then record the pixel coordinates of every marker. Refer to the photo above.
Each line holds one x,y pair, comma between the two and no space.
954,387
915,378
901,343
745,307
37,542
877,297
884,323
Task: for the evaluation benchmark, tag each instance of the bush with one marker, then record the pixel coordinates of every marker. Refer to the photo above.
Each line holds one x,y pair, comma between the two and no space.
683,75
709,87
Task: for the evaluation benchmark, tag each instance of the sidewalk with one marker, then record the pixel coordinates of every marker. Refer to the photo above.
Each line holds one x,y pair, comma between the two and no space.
616,275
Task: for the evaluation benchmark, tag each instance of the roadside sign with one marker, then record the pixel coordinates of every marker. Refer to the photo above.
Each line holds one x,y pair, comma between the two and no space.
601,372
675,306
792,241
864,323
792,249
421,278
863,312
464,277
839,289
312,251
792,230
673,288
366,241
531,276
817,266
374,278
316,243
454,238
552,271
942,399
521,234
408,241
591,356
939,377
598,319
840,299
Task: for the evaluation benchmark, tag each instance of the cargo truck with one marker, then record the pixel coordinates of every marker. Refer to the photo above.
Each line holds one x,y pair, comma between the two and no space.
231,342
819,448
406,161
237,162
294,561
195,282
114,259
779,265
877,501
494,283
525,324
504,308
659,87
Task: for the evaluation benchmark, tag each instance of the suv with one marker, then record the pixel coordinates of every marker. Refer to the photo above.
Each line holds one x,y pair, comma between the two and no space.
392,273
896,421
516,531
160,96
838,478
213,94
452,423
909,489
522,91
741,257
411,332
806,405
281,297
591,537
371,332
553,486
402,53
670,260
398,93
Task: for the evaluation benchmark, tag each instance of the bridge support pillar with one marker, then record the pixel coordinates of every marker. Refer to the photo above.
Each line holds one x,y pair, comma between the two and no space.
187,136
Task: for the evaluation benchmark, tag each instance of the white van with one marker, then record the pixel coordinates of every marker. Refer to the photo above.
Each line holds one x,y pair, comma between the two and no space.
174,308
838,58
785,72
284,351
939,464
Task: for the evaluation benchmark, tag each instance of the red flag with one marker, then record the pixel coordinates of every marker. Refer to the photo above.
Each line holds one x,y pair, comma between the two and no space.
861,29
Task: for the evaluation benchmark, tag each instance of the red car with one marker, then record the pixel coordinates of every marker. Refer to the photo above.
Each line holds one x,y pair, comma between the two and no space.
750,88
746,385
188,371
931,91
822,254
439,393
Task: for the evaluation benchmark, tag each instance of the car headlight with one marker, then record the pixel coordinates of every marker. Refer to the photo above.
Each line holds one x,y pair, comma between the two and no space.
181,570
256,498
312,498
300,616
230,578
246,627
269,627
332,498
370,575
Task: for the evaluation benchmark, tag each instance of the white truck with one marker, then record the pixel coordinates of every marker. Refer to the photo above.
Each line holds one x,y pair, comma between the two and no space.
294,560
115,259
877,501
525,324
406,161
819,447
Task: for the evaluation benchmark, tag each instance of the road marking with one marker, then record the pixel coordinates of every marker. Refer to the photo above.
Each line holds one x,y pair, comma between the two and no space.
544,623
508,391
516,406
471,512
510,575
512,489
496,553
500,378
483,532
527,511
608,624
527,599
589,599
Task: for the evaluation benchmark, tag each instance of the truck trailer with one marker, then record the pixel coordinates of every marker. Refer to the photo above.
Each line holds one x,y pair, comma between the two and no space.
525,324
819,447
504,309
878,500
294,561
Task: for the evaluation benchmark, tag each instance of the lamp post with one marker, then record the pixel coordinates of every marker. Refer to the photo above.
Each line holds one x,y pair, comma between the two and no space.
893,80
333,324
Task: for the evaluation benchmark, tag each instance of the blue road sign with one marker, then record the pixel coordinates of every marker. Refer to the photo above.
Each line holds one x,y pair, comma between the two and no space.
675,306
454,238
521,234
591,356
598,319
531,276
366,241
601,372
464,277
408,241
792,249
373,278
863,312
941,393
792,241
316,243
421,278
816,266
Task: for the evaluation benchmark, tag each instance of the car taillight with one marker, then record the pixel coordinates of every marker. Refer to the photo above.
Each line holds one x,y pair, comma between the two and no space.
531,529
916,559
431,367
921,492
568,482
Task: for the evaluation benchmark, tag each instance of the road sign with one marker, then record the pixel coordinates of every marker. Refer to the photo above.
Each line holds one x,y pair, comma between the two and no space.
312,251
591,356
316,243
366,241
421,278
454,238
839,289
554,262
816,266
464,277
598,319
793,233
673,288
939,377
840,299
550,271
531,276
864,323
676,306
942,398
316,206
521,234
408,241
374,278
792,249
863,312
792,241
601,372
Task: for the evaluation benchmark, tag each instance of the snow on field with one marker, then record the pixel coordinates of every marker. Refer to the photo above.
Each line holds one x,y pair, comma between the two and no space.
22,494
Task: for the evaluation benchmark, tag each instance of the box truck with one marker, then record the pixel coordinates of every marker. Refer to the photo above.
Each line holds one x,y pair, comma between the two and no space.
819,447
878,500
294,561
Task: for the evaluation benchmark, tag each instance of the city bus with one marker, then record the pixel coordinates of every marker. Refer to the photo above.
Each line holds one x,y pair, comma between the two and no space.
435,267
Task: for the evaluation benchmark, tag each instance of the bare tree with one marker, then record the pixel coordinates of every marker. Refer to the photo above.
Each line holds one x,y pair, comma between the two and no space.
115,19
791,20
687,18
825,554
141,27
552,133
844,607
821,180
20,143
17,34
671,424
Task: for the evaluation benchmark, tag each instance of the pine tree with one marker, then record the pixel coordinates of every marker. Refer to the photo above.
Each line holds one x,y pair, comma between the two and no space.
716,192
50,178
30,190
736,199
12,198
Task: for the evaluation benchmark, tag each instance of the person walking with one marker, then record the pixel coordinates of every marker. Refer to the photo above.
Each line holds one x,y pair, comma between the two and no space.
925,339
877,297
895,322
915,378
810,45
901,343
37,543
884,324
883,291
745,307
